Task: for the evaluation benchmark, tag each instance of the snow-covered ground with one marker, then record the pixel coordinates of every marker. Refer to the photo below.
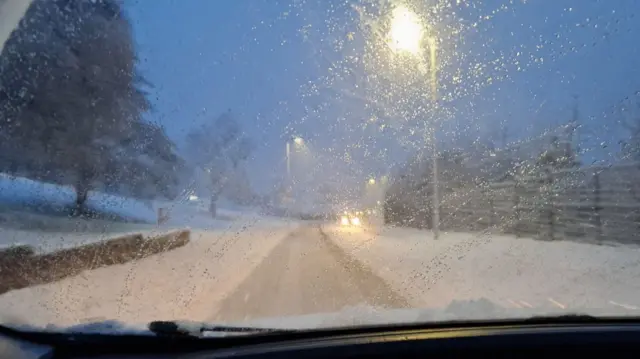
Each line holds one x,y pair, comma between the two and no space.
185,283
25,217
23,192
72,232
513,272
193,282
182,283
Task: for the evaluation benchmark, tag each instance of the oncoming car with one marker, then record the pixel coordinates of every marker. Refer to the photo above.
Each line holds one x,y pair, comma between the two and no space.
351,218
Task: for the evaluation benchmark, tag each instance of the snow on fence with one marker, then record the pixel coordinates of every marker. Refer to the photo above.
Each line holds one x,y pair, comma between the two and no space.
591,203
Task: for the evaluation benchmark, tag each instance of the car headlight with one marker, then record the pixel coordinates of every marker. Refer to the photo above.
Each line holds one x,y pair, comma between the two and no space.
344,220
355,221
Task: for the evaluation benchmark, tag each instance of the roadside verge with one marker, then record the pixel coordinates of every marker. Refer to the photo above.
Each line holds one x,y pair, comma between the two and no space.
21,267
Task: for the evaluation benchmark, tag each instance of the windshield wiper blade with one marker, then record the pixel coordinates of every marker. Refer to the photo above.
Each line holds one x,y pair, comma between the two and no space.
564,318
182,328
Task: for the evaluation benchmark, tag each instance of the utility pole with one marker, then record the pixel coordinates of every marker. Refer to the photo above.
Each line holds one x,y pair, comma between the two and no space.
573,127
288,156
504,133
434,98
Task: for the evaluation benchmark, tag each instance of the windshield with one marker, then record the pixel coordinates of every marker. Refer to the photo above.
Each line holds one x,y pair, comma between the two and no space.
317,163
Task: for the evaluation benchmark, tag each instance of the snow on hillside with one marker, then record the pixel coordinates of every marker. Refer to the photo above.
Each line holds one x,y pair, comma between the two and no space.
23,192
27,208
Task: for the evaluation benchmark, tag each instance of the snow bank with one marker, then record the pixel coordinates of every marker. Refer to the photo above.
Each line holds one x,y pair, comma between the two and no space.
19,190
47,197
514,272
21,268
48,242
27,205
186,283
197,215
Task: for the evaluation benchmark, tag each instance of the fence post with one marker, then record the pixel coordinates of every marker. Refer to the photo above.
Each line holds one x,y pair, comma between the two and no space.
492,212
516,208
163,215
550,203
597,204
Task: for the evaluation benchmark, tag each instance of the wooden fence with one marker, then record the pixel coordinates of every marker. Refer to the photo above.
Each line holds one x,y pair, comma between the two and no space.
590,203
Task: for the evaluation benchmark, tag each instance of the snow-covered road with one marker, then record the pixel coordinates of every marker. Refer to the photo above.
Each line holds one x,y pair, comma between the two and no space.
252,271
306,273
186,283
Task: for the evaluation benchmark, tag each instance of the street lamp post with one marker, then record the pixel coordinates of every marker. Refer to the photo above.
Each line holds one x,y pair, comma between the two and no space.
298,142
434,99
288,155
406,35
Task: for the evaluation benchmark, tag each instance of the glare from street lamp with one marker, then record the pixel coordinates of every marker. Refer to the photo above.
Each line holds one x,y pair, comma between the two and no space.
298,141
372,181
406,31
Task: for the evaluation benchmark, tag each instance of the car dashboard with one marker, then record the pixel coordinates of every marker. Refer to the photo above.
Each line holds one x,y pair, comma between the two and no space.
528,340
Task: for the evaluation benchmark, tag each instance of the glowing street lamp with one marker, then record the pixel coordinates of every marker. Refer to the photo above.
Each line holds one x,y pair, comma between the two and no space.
406,35
406,32
372,181
298,142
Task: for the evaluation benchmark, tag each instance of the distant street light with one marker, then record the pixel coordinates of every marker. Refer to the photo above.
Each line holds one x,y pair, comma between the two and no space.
372,181
298,142
406,35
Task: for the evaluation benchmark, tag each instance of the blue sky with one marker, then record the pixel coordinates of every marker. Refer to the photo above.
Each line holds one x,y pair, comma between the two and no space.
205,57
258,57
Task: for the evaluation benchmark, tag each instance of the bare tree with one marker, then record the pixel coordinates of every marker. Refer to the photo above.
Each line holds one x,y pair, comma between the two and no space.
628,114
217,148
